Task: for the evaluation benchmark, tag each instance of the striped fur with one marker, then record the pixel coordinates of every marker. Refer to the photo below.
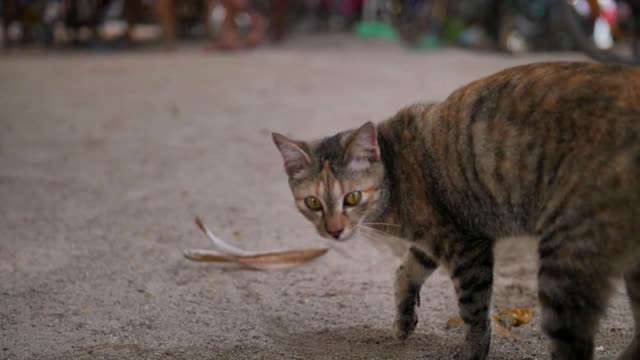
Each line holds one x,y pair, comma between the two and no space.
549,149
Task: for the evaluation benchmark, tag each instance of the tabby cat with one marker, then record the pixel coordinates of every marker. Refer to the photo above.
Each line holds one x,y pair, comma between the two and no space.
548,149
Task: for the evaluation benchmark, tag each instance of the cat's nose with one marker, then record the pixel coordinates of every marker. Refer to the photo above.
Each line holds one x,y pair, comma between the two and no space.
336,233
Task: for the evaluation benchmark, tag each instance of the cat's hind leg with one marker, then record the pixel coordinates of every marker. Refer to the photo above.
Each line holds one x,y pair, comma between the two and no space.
414,270
573,288
472,275
632,281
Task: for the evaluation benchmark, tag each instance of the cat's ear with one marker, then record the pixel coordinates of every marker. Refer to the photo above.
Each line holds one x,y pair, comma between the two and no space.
363,147
296,160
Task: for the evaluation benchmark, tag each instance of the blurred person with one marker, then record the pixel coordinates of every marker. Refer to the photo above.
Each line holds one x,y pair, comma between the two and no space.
171,14
636,28
32,19
317,14
230,35
352,11
92,13
166,12
80,14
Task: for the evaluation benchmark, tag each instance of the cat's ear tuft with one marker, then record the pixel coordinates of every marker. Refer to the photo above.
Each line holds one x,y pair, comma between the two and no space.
363,147
296,160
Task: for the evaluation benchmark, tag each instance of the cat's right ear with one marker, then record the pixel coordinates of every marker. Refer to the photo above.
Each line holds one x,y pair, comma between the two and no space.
296,160
363,148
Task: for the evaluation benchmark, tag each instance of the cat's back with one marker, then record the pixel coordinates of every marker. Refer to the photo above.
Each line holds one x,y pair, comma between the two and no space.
556,104
564,79
580,95
502,145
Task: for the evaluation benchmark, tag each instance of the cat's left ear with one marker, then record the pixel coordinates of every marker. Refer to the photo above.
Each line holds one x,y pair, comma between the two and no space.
296,159
363,149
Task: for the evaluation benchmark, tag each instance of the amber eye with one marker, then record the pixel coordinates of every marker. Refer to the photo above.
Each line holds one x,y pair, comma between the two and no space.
312,203
353,198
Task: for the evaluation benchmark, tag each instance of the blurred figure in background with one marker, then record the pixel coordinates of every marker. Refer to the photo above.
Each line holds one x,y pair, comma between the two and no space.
27,20
83,13
231,38
171,12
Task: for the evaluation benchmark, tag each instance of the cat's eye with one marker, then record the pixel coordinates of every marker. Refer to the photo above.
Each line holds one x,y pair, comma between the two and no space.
313,203
353,198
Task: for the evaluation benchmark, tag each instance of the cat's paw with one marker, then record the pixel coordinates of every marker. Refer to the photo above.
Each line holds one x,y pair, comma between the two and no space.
466,354
404,325
467,351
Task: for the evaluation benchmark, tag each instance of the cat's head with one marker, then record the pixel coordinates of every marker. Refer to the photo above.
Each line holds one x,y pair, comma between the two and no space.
337,182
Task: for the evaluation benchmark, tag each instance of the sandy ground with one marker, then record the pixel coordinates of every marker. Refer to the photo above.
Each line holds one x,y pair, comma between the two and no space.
105,160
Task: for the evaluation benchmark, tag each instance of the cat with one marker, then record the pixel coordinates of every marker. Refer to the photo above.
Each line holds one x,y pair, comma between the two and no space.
546,149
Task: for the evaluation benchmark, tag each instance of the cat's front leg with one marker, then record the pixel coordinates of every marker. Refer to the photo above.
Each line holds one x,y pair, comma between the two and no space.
414,270
472,275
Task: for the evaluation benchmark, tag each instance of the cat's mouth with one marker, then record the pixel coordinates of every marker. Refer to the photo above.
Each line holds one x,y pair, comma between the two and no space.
346,235
343,236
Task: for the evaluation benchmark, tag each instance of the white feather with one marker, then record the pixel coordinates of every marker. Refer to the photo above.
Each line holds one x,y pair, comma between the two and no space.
222,246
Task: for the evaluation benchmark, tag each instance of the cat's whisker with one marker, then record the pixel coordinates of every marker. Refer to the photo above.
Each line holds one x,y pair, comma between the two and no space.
376,231
385,224
372,233
367,236
375,236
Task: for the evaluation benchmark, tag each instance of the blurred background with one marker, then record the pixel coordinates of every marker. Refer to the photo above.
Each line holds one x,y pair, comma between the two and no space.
604,29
